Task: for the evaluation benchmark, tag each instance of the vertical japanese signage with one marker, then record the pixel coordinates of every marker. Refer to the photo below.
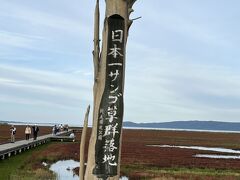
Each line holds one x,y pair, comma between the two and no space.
111,107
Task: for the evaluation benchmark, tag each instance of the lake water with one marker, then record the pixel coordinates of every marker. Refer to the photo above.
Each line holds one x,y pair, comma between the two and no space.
145,128
63,169
215,149
178,129
212,156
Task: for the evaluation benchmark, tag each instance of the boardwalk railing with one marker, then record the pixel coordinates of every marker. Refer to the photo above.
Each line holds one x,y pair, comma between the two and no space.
10,149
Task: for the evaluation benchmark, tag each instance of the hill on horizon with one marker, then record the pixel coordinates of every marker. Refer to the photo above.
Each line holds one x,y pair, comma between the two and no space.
194,125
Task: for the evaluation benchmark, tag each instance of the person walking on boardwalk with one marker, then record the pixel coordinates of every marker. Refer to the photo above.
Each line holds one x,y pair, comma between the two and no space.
13,131
28,132
35,131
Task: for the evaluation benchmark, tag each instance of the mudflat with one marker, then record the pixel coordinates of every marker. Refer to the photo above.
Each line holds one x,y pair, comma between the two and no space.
136,149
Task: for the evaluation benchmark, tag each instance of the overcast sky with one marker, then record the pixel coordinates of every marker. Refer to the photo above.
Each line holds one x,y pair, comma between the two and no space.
182,60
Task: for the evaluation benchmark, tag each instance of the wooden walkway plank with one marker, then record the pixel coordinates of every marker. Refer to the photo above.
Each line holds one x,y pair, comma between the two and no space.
9,149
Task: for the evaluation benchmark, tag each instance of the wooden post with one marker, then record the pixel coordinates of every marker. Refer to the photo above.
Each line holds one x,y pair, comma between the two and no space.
109,74
82,145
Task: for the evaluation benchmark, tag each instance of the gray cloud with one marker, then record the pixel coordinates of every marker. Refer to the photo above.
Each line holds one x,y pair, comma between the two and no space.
41,88
181,63
170,88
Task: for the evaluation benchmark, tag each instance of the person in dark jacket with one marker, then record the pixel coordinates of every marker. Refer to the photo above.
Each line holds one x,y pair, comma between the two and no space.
35,130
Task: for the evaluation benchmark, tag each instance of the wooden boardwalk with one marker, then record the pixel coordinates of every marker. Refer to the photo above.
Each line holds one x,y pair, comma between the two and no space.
10,149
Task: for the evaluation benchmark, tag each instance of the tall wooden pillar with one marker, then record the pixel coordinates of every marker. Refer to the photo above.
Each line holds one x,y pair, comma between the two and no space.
109,73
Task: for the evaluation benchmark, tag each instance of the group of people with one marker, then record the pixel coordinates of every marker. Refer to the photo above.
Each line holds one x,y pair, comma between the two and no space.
59,128
28,131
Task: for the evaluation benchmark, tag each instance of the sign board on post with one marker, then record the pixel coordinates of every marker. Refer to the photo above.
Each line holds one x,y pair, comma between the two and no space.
111,107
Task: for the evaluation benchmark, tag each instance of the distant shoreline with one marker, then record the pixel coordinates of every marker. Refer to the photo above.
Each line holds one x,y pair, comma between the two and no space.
191,125
28,123
141,126
176,129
